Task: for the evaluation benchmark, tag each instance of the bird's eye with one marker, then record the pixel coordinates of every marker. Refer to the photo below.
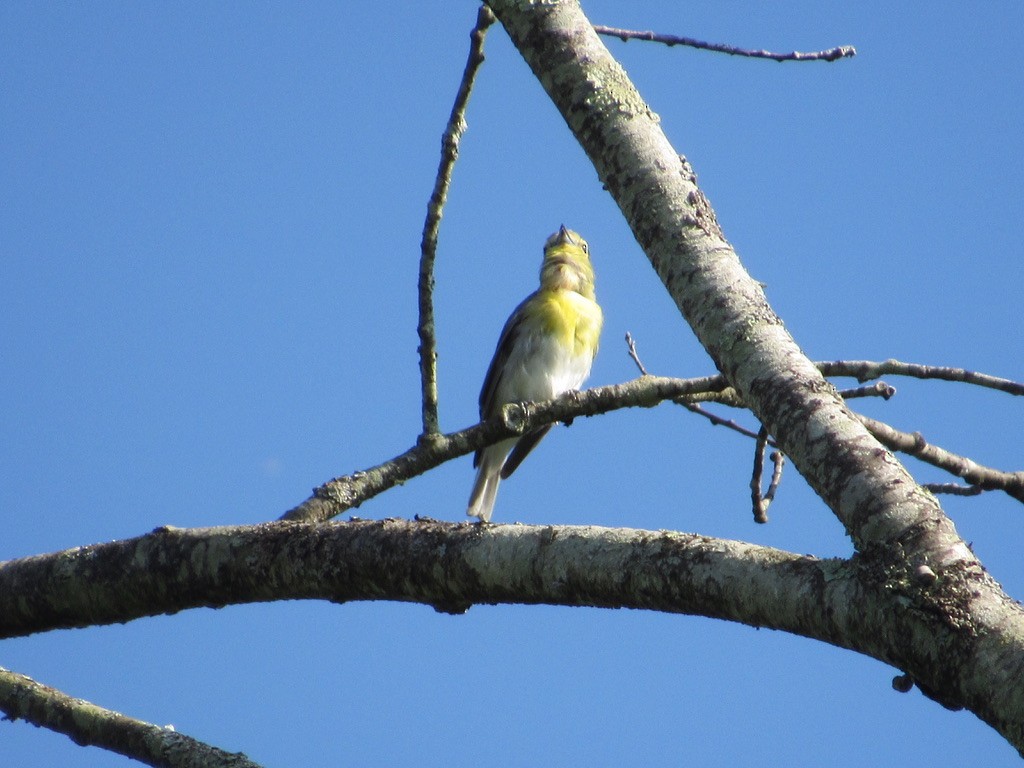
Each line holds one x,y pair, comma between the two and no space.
586,248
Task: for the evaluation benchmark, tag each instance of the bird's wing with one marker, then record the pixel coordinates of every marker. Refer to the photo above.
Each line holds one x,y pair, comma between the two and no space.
492,381
507,341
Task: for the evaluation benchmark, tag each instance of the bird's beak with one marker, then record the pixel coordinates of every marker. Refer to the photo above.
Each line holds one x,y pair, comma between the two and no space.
564,238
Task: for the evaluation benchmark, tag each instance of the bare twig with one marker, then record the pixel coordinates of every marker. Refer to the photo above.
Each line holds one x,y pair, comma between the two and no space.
343,493
981,478
761,501
22,698
435,207
631,345
832,54
878,389
954,489
865,370
778,460
760,507
915,445
718,421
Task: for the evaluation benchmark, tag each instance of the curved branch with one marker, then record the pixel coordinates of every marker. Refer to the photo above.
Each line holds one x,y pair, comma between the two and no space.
22,698
886,609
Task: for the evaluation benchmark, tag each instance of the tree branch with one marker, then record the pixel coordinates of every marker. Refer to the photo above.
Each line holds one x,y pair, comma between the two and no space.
915,445
343,493
625,35
885,512
865,370
884,608
22,698
435,208
349,491
877,501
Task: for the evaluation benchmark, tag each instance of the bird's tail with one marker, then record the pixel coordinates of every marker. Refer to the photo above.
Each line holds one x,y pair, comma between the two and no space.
485,489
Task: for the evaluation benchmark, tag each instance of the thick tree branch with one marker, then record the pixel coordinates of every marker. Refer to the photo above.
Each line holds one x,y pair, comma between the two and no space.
877,500
22,698
885,609
887,515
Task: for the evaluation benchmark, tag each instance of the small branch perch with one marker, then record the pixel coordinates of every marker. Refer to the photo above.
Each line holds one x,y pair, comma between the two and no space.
832,54
865,370
344,493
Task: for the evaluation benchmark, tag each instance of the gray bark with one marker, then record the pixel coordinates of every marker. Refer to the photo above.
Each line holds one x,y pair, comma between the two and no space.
972,654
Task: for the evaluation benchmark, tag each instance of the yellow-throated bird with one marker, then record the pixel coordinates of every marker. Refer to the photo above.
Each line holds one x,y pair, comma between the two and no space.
546,348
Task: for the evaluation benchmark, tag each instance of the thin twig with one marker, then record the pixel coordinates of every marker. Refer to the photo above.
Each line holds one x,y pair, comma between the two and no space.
760,507
22,698
778,460
761,502
915,445
631,345
718,421
984,478
349,491
866,370
878,389
435,208
954,489
728,397
832,54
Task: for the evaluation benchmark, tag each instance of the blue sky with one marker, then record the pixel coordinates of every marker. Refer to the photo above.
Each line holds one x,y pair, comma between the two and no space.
208,251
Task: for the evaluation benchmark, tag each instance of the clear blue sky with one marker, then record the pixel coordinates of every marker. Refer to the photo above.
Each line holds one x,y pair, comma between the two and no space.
208,248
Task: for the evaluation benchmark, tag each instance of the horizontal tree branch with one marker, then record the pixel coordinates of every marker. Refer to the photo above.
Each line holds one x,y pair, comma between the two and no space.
884,609
865,370
831,54
349,491
88,725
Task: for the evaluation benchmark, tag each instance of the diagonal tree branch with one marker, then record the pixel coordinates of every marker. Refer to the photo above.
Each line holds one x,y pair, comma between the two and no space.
888,517
343,493
915,445
877,501
22,698
349,491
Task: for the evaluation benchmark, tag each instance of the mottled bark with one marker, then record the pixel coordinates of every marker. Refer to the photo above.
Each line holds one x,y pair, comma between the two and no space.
22,698
975,656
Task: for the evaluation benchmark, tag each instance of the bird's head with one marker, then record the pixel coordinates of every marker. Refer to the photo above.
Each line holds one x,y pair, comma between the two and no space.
566,263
